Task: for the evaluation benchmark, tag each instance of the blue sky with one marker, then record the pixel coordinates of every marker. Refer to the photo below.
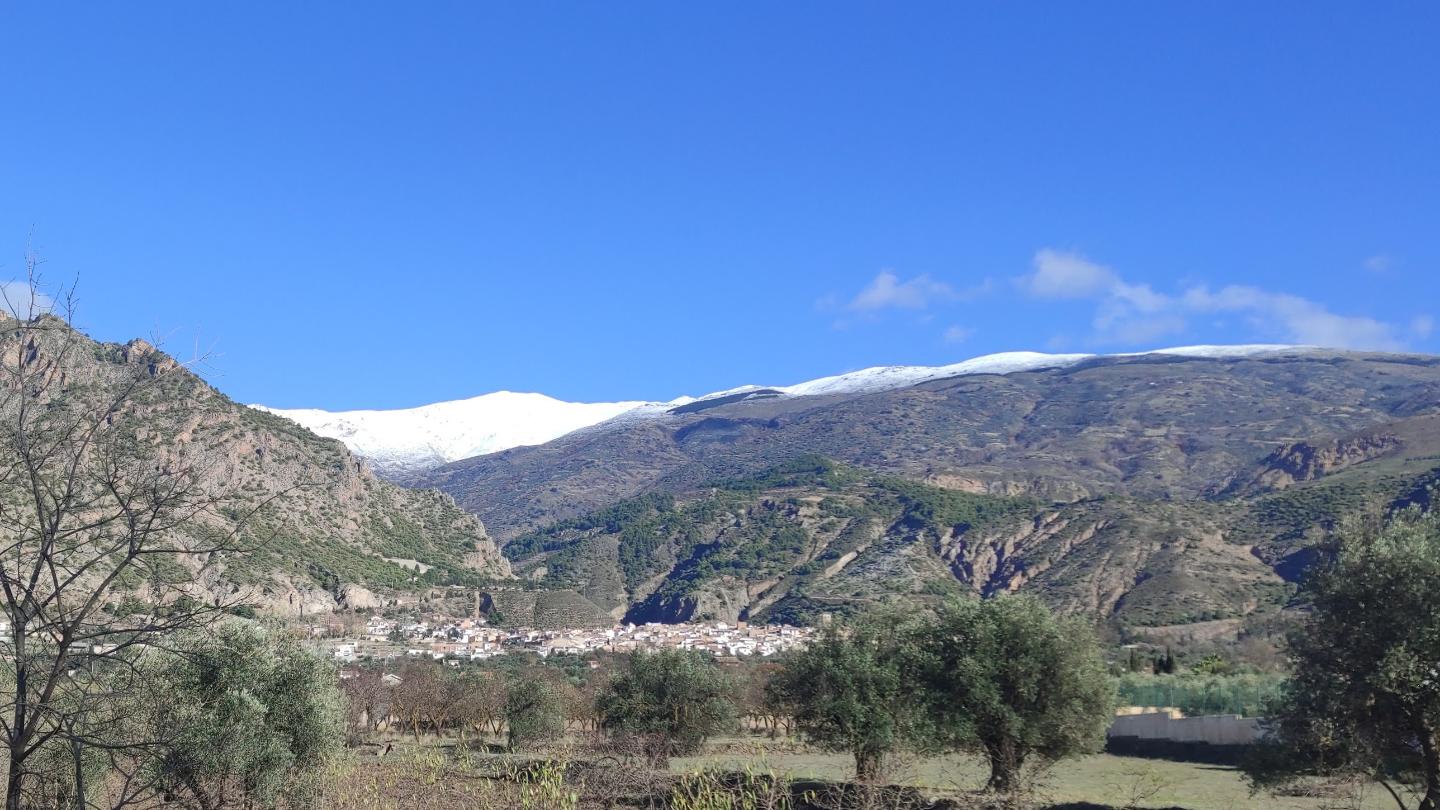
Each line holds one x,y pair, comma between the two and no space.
380,205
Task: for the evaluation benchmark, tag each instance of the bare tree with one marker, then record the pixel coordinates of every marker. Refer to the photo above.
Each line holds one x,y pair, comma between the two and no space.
414,699
108,528
367,703
482,708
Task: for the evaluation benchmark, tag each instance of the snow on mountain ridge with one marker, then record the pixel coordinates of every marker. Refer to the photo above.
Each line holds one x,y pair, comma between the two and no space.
414,439
882,378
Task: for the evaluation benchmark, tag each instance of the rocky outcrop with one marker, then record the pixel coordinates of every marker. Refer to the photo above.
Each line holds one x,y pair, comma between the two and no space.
309,526
1306,461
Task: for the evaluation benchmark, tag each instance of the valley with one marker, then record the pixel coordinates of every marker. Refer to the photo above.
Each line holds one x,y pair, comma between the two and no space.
1150,492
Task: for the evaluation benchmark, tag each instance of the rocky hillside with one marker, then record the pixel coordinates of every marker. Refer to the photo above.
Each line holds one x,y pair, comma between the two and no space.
813,537
1149,491
324,529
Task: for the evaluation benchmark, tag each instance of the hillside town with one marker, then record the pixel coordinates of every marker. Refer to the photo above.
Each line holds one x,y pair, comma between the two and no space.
470,639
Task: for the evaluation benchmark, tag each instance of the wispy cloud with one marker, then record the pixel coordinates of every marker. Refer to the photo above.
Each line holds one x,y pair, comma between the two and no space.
1379,263
19,300
957,334
1131,313
1296,319
1060,274
887,291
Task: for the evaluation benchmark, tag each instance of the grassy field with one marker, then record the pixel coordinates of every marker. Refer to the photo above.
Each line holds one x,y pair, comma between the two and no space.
1101,779
431,769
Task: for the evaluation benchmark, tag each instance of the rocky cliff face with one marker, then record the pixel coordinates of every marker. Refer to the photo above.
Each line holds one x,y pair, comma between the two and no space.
1305,461
319,524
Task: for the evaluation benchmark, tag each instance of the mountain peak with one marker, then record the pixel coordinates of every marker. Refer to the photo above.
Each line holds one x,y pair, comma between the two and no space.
405,441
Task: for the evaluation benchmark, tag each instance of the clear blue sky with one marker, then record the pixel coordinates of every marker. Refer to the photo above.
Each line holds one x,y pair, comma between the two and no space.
385,204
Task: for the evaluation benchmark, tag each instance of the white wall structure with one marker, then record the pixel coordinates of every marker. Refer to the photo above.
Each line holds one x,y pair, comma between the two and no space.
1219,729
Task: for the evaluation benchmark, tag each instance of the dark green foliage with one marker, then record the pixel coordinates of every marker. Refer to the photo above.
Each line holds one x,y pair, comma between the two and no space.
937,509
668,703
643,524
1164,664
1007,679
803,611
1364,697
806,470
852,690
1291,511
243,713
1248,695
534,711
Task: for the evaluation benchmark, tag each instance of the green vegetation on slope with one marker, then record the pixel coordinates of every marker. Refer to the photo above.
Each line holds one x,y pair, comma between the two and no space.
792,522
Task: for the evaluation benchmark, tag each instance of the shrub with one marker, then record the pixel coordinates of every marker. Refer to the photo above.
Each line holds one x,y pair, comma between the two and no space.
669,701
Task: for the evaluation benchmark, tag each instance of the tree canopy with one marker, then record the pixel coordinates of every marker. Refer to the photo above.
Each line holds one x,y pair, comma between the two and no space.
1008,679
534,712
670,701
1364,696
248,717
849,691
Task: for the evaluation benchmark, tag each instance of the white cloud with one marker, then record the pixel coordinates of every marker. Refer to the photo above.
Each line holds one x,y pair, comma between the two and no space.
1296,319
1126,312
887,291
1422,325
1134,313
20,300
1059,274
957,334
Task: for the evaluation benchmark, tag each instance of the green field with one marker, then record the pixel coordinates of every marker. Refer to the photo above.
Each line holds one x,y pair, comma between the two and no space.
1098,781
1102,779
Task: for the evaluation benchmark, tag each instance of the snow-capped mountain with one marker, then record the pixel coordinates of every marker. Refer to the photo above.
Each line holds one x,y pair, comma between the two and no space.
411,440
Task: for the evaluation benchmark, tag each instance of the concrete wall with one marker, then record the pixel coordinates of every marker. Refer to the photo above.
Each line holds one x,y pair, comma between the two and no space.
1220,729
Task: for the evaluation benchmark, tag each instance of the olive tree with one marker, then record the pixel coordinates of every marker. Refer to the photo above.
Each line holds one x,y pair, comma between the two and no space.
249,717
669,702
1364,695
1006,678
852,690
534,712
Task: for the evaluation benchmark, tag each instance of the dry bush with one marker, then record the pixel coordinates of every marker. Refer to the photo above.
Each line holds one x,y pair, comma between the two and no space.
746,790
1139,785
414,778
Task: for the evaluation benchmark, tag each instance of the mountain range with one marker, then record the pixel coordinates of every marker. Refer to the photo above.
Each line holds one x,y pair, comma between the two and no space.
401,443
1186,488
1179,488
